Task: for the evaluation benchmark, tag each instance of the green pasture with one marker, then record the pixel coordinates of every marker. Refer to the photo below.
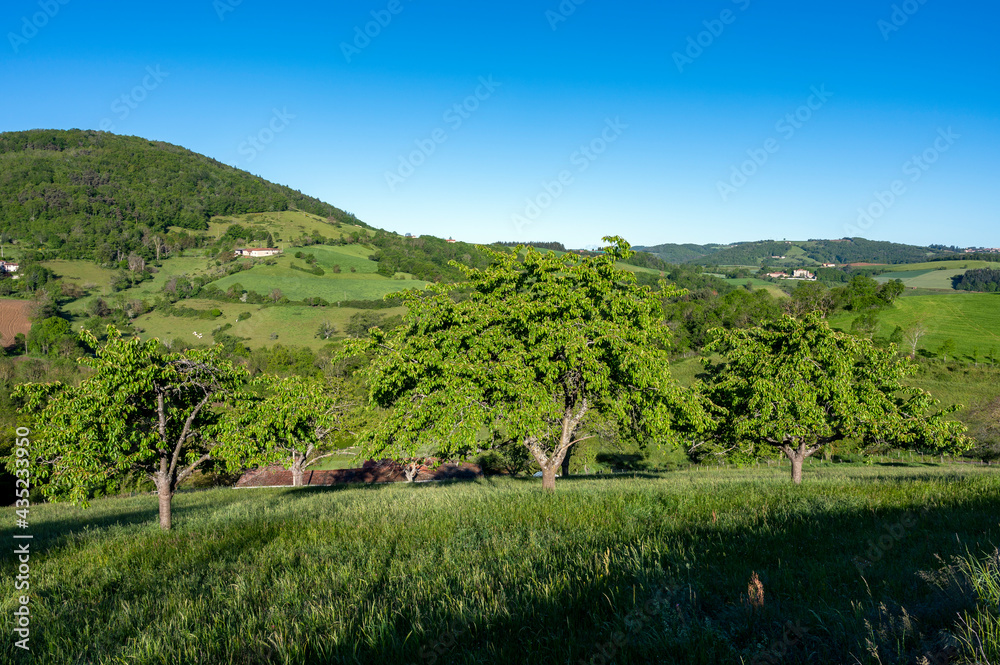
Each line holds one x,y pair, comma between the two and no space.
699,566
267,325
972,320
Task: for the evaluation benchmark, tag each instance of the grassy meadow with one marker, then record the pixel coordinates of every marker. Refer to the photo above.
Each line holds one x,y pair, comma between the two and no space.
267,325
699,566
972,320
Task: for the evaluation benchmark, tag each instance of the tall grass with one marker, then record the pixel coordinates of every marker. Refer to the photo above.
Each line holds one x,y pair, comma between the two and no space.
725,566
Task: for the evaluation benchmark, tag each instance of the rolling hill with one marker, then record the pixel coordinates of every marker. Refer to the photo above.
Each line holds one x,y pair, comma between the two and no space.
74,190
797,253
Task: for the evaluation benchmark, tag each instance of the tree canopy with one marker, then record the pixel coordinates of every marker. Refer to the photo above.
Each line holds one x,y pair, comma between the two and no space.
797,385
290,421
139,410
528,347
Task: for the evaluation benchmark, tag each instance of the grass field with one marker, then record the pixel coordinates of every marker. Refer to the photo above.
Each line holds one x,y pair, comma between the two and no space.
286,225
938,265
363,284
774,289
698,566
923,279
972,320
291,325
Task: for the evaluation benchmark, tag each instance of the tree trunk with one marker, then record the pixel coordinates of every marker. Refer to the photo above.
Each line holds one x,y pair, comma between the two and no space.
297,475
797,460
549,477
565,462
165,496
797,456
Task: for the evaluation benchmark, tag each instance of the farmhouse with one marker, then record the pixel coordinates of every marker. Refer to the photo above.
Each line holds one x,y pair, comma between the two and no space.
8,267
451,240
777,275
802,274
257,252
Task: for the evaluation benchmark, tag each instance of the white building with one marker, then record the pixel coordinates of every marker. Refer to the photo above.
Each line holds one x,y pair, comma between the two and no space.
256,252
8,267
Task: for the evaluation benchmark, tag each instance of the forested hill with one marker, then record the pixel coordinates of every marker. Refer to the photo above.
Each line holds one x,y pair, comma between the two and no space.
673,253
809,252
68,189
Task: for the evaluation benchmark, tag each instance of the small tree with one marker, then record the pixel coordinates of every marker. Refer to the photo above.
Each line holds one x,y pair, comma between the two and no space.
289,422
326,330
535,345
948,348
912,336
140,410
797,385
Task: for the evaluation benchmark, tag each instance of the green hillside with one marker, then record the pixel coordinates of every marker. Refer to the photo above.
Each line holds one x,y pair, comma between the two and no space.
970,320
673,253
74,190
815,252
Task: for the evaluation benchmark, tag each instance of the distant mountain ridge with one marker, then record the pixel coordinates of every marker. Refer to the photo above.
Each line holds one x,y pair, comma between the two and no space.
782,252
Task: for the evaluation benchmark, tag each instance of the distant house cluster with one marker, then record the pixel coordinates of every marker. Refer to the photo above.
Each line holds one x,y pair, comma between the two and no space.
983,250
256,252
796,274
6,267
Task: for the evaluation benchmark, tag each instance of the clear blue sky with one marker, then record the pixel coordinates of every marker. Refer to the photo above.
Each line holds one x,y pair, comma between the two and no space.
663,132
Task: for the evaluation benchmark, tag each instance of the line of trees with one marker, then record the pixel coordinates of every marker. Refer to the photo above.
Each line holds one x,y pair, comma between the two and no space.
533,353
980,279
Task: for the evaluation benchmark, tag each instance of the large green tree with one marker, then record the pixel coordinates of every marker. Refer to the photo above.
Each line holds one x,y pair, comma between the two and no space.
528,347
140,409
293,421
797,385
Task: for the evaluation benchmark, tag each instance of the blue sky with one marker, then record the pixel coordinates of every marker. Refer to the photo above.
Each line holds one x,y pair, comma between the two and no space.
658,121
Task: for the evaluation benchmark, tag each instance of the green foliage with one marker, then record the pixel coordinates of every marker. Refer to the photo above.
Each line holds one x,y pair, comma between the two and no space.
47,337
796,386
529,349
290,421
140,410
983,279
89,194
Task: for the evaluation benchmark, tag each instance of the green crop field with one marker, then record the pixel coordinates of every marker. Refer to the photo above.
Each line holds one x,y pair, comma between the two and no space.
923,279
972,320
699,566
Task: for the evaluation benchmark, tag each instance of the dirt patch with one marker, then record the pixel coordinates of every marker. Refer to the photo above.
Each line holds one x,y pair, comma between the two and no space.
372,472
13,320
